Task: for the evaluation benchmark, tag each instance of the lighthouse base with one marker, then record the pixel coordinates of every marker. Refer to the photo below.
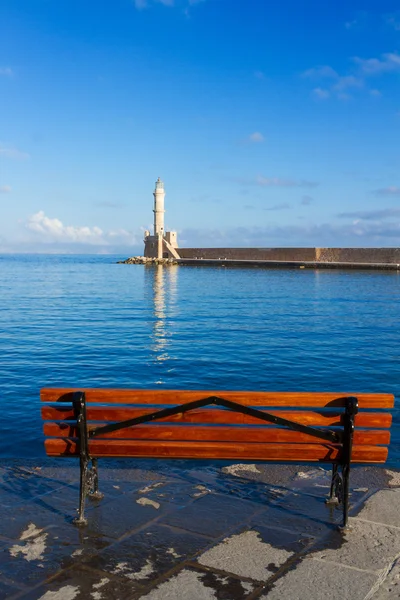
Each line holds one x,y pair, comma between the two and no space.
161,246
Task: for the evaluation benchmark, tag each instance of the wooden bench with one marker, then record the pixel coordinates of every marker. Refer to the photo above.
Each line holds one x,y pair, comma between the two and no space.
217,425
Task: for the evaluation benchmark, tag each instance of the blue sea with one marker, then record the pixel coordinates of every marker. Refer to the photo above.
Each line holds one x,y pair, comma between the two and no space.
85,321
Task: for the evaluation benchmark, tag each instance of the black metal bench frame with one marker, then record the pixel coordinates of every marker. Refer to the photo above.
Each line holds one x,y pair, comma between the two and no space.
339,489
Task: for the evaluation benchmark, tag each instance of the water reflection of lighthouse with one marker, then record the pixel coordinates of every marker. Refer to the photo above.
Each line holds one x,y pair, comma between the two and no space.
164,299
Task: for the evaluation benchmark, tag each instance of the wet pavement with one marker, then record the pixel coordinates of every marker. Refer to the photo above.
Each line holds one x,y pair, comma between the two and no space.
177,530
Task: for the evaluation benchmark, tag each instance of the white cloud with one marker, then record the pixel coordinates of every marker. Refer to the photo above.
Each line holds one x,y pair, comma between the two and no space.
186,4
391,190
388,62
107,204
6,72
338,85
393,20
348,81
319,72
256,137
350,24
53,230
321,94
364,234
5,189
372,215
360,21
279,182
13,153
274,182
283,206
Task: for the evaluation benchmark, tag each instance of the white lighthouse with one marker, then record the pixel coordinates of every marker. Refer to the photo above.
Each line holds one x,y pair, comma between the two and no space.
162,244
158,210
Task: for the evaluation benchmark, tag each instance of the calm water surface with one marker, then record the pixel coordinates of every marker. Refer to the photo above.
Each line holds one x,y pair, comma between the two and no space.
84,321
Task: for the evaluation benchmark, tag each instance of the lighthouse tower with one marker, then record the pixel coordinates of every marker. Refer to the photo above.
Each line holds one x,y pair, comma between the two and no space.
162,244
158,210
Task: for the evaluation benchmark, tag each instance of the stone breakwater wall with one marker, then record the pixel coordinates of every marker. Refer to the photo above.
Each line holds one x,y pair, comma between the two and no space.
316,255
326,258
144,260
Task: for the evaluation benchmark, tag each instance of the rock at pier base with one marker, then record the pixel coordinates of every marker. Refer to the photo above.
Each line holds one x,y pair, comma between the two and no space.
144,260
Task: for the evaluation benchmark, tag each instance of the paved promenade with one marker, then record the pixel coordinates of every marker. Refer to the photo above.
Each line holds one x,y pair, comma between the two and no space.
177,531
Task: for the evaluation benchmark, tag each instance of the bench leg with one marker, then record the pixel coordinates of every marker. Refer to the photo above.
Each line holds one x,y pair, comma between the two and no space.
80,519
348,432
79,403
346,484
339,492
89,486
334,494
94,493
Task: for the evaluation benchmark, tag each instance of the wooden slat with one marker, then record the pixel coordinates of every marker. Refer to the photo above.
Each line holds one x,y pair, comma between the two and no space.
215,434
218,451
218,417
318,399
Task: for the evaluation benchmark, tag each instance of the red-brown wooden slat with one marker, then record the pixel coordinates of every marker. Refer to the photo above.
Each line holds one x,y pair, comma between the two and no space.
218,450
218,417
316,399
231,434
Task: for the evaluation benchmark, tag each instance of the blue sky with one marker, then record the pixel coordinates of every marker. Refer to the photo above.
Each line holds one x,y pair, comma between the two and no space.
271,123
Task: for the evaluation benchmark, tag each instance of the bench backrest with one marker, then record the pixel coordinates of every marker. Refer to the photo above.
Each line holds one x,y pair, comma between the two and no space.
213,431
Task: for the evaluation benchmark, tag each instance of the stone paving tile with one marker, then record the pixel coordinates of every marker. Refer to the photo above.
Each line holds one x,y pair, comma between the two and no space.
373,477
394,478
123,508
57,507
310,506
253,554
177,493
41,553
190,584
123,514
382,507
43,511
121,470
389,589
211,515
306,477
368,546
20,486
268,473
186,469
146,555
7,590
315,525
116,488
255,492
292,541
315,579
83,584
